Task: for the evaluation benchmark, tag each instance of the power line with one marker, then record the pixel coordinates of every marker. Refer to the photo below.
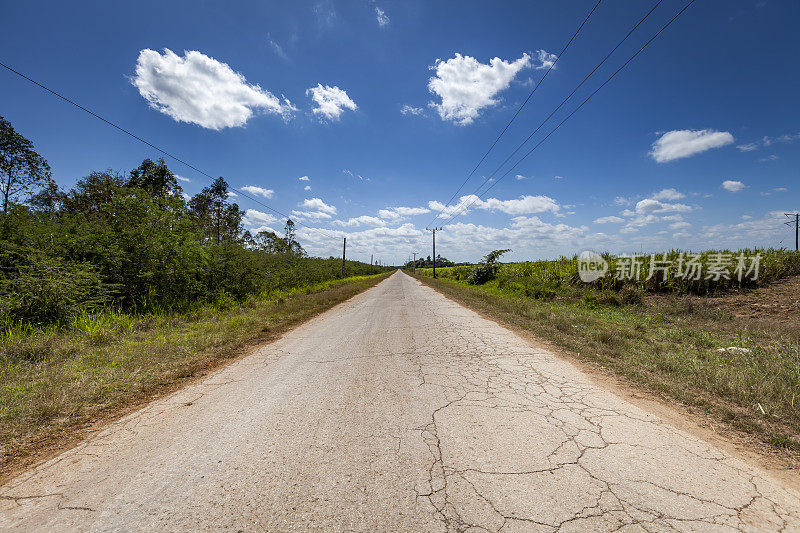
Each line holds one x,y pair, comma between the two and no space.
151,145
528,138
507,172
503,131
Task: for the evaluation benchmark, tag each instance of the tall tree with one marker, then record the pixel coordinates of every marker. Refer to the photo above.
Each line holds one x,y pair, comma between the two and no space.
220,221
23,169
154,177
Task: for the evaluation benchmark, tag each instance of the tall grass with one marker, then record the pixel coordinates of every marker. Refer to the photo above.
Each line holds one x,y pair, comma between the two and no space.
560,275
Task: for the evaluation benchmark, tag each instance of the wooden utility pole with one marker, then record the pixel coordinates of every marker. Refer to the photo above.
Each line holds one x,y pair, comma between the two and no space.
796,224
370,263
414,268
344,249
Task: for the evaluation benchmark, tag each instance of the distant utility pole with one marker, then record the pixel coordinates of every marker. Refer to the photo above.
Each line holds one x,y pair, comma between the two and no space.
370,263
344,249
414,268
796,224
434,250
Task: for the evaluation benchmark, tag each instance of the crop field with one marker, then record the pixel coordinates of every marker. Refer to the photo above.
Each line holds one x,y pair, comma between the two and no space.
550,278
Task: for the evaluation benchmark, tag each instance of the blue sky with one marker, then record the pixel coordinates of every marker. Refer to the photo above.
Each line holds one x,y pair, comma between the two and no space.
385,106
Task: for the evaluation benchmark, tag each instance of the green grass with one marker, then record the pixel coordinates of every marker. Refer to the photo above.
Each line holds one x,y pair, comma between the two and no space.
56,379
668,344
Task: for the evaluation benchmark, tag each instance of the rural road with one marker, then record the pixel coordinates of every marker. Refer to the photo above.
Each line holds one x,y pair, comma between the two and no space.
398,410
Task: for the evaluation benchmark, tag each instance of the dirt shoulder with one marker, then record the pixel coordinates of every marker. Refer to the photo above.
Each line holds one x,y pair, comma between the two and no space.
707,416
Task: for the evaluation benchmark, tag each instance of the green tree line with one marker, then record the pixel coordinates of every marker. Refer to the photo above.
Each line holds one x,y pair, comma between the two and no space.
132,242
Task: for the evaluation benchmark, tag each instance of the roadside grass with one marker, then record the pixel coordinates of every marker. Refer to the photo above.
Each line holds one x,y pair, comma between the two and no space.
53,381
669,344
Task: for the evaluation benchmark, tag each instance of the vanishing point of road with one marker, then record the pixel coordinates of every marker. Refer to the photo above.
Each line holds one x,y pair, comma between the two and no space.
398,410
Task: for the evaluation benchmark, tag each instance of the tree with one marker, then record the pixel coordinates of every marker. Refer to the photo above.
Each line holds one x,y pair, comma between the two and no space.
23,170
269,242
292,246
156,178
219,221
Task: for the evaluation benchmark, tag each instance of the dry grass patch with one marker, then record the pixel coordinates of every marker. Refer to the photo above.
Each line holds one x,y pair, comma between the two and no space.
55,381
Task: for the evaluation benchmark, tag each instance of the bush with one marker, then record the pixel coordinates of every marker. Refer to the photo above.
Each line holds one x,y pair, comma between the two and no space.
50,290
486,269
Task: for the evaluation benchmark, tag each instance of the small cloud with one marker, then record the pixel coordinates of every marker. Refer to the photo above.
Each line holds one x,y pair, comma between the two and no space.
232,194
546,60
307,188
317,204
411,110
668,194
772,157
278,49
253,218
181,178
330,102
732,185
558,177
678,144
352,175
380,15
621,200
259,191
304,178
749,147
520,177
609,220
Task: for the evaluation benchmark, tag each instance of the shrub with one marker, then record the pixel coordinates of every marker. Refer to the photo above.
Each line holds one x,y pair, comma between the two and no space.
486,269
50,290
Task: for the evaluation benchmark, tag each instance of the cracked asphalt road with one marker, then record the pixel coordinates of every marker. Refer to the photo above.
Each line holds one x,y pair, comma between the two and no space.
398,410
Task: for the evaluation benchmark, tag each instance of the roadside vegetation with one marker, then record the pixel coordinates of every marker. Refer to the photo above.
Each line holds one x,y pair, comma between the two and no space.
744,371
121,285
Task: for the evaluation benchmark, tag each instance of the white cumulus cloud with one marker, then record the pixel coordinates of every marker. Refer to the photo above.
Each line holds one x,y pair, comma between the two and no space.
523,205
609,220
330,102
253,218
316,204
259,191
304,178
465,85
678,144
363,220
732,185
200,90
668,194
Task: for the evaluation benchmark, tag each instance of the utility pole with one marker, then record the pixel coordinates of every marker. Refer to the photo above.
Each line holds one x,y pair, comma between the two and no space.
796,224
434,250
370,263
344,249
414,268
